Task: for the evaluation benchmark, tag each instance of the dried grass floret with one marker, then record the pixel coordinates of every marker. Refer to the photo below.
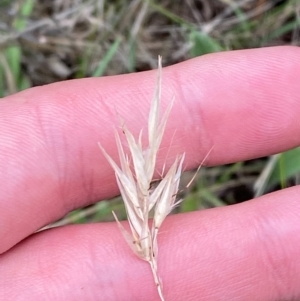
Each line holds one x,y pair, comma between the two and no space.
135,184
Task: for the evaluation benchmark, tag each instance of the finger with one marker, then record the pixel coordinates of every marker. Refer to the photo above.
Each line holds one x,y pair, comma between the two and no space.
243,252
244,103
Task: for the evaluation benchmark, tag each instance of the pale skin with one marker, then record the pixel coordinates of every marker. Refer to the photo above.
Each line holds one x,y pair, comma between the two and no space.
246,104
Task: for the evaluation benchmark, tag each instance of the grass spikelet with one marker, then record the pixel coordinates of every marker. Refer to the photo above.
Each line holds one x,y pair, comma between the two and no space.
134,180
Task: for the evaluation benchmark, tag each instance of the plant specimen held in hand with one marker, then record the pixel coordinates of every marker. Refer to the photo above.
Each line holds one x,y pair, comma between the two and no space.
134,177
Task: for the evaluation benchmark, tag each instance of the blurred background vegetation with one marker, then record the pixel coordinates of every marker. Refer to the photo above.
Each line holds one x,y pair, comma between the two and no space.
44,41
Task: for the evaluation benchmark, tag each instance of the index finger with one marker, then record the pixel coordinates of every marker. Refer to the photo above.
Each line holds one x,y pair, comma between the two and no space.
244,103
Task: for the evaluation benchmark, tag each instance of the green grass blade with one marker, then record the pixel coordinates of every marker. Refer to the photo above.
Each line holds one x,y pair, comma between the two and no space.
13,55
287,166
281,31
107,58
173,17
132,55
25,11
202,44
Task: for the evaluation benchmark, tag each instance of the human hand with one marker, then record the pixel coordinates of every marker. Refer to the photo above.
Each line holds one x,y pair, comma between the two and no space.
244,103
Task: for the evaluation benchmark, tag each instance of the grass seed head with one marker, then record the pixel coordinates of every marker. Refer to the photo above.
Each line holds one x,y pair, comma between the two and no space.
135,184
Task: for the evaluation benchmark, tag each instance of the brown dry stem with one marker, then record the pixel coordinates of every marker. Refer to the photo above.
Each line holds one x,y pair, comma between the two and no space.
134,177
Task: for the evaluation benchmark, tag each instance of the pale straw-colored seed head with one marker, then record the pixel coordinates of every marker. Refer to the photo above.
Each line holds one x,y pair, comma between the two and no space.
134,184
